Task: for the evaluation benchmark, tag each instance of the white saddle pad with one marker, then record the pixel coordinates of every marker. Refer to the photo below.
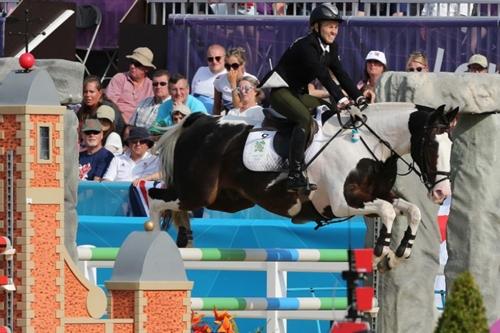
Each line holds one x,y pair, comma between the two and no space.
259,153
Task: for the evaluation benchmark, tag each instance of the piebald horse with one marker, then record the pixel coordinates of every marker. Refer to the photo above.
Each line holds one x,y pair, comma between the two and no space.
203,167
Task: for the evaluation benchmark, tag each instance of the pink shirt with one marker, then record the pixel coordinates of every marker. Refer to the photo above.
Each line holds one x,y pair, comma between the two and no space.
126,95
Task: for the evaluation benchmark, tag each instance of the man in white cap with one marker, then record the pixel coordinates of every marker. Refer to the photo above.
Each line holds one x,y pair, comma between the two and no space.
127,89
179,112
478,64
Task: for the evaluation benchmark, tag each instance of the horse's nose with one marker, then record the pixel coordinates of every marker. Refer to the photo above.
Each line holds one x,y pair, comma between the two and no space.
438,196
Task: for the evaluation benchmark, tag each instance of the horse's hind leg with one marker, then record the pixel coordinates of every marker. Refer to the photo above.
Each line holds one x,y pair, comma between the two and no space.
184,232
161,199
413,215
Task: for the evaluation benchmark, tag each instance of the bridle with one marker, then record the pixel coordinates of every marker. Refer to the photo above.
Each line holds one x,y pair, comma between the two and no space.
425,174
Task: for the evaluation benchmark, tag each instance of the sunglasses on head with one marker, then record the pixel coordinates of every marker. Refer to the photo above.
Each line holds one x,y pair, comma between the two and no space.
92,132
417,69
211,59
234,66
156,84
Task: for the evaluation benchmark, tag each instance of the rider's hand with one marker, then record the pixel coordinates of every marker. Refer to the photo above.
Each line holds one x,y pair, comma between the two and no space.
343,104
361,103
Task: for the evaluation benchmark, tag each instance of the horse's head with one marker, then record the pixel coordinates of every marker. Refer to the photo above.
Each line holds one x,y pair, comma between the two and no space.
431,148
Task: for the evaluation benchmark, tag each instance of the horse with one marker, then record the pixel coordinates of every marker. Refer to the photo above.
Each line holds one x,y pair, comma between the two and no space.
203,166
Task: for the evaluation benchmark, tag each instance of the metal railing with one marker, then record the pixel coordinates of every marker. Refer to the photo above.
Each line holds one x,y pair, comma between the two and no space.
160,9
7,6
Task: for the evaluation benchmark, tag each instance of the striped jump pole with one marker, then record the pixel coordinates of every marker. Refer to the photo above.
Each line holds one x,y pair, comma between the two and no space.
220,254
268,303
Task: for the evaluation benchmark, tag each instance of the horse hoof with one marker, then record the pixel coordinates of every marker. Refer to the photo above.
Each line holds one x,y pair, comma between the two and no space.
383,265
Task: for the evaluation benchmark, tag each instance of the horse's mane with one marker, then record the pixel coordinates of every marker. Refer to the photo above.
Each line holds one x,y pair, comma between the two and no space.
165,148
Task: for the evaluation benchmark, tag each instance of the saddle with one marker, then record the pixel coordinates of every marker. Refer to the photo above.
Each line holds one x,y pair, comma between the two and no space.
267,148
283,127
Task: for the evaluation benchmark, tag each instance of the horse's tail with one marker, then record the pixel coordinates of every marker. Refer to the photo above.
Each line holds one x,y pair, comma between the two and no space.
165,148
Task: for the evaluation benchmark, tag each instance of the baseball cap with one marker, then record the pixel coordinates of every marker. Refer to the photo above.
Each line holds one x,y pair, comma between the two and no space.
377,55
91,125
106,112
478,59
182,108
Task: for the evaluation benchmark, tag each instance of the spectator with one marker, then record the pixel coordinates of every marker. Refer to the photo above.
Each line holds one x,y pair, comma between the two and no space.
93,98
147,110
478,63
203,80
417,62
447,9
375,66
94,161
380,9
179,90
250,97
127,89
111,140
225,94
179,112
277,8
137,163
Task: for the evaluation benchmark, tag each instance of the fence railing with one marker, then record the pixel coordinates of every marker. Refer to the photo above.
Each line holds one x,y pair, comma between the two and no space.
160,9
275,262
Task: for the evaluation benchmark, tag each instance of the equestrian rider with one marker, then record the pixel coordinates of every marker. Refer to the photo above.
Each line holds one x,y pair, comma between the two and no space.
310,57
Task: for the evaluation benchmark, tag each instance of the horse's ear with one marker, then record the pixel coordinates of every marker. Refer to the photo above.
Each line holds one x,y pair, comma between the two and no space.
440,109
451,117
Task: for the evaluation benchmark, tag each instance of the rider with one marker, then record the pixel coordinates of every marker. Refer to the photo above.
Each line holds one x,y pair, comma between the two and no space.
310,57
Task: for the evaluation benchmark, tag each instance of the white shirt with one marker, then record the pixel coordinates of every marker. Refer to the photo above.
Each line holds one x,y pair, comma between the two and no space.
254,114
123,169
447,9
203,82
114,143
222,85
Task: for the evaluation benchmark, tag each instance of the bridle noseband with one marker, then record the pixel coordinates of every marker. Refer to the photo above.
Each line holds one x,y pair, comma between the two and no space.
425,175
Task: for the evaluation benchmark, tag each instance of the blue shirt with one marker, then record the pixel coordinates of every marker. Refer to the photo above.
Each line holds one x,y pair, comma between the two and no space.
99,162
165,110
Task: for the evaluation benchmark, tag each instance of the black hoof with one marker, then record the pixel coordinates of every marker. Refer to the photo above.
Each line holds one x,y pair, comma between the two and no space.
183,237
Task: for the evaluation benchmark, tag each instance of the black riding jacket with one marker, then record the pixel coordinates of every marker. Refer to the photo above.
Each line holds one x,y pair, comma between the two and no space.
305,61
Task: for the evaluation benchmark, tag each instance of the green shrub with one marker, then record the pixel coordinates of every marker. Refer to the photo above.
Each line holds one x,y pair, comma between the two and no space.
464,310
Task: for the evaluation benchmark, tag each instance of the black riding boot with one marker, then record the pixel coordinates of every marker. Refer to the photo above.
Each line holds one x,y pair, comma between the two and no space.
296,180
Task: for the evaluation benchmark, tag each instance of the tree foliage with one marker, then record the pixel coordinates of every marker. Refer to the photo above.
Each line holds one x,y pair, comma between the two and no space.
464,310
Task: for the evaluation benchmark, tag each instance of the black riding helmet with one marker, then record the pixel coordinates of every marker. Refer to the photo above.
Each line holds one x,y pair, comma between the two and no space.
324,12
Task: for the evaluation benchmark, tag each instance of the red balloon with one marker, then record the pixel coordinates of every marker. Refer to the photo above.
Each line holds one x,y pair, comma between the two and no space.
27,60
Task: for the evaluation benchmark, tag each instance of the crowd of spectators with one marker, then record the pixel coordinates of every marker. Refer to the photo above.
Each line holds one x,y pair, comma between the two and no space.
119,125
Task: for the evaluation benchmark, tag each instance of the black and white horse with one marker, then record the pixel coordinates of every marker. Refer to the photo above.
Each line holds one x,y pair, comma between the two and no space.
202,160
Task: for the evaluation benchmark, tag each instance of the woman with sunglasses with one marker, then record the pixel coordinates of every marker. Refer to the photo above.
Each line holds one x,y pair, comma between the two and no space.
417,62
250,97
308,58
202,86
225,94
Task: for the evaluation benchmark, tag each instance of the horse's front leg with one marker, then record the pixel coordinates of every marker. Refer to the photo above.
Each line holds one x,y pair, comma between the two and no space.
160,200
414,217
387,214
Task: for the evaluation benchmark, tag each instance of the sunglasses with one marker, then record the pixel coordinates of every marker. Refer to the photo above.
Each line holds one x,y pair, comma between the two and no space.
135,142
418,69
92,132
234,66
156,84
245,89
212,59
136,63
